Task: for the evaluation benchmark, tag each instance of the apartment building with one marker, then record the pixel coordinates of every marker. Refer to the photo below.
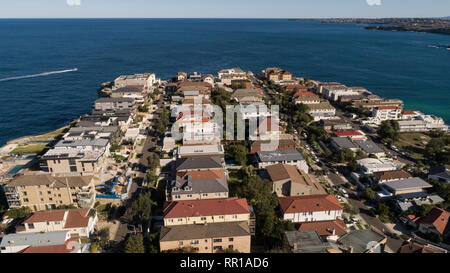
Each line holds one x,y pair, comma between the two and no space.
272,145
373,102
45,191
321,111
73,160
306,98
189,188
192,212
382,113
200,151
145,80
290,157
112,104
422,123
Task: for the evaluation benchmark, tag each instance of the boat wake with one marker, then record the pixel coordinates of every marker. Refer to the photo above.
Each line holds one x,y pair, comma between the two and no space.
38,75
440,46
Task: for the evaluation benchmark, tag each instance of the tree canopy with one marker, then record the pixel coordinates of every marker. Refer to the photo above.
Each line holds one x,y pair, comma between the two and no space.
389,130
135,244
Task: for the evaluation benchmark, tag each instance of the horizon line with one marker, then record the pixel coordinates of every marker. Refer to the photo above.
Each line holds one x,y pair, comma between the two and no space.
275,18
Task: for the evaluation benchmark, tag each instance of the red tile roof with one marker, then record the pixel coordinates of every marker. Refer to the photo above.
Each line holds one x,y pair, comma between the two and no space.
324,228
387,107
77,218
408,112
193,208
44,216
309,203
65,248
344,133
296,86
438,218
305,94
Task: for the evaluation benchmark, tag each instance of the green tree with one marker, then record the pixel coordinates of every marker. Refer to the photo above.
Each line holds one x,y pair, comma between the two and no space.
237,153
141,207
343,155
437,150
103,236
369,194
15,213
135,244
389,130
382,209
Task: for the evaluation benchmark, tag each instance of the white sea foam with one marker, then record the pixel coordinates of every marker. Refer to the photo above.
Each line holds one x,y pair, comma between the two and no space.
38,75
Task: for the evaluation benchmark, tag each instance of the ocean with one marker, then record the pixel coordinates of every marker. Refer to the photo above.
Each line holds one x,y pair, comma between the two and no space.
391,64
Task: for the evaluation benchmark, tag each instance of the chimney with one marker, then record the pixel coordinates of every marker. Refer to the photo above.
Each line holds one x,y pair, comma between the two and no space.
350,249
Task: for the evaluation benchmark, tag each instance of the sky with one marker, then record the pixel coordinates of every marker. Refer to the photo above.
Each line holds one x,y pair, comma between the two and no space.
222,8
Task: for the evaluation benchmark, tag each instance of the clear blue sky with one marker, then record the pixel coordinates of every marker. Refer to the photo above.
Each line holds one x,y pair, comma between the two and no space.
222,8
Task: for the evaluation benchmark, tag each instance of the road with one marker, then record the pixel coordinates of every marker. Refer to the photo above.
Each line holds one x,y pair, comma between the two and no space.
149,143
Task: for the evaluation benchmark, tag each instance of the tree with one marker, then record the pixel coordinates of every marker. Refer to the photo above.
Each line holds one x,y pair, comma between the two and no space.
135,244
103,236
382,209
369,194
437,150
389,130
237,153
18,212
143,108
151,243
343,155
141,207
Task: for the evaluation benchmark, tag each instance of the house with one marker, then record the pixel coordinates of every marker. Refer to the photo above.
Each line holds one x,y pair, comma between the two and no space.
310,208
145,80
410,201
305,98
44,191
241,84
47,242
207,174
373,102
231,71
135,92
307,241
329,230
322,110
364,241
369,147
201,151
384,176
410,114
289,181
96,120
195,76
208,78
290,157
352,134
206,211
207,238
416,247
335,124
104,104
408,185
320,86
276,74
268,128
439,173
422,123
247,95
198,163
79,222
435,222
382,113
339,143
372,165
181,76
333,92
296,87
189,188
271,145
96,131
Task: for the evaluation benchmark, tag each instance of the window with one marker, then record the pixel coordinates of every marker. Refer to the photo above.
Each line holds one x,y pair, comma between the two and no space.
48,223
26,200
40,193
230,246
218,248
180,219
203,218
50,199
24,193
230,239
49,192
194,242
30,225
73,169
234,217
180,243
217,240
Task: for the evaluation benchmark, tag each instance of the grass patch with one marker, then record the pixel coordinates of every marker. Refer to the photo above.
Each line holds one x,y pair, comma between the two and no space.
51,136
29,149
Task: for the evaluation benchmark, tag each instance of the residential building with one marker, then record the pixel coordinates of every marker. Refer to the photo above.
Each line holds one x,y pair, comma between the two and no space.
272,145
207,238
296,87
247,95
339,143
422,123
373,102
364,241
382,113
408,185
135,92
411,201
231,71
276,74
111,104
200,151
47,242
290,157
372,165
96,120
206,211
333,92
352,134
44,191
198,163
79,222
195,76
369,147
329,230
73,160
306,98
145,80
194,189
308,241
181,76
289,181
310,208
320,86
416,247
436,221
335,124
439,173
385,176
208,79
322,110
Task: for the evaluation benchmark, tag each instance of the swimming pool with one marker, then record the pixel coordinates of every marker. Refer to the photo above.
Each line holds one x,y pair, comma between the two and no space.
15,169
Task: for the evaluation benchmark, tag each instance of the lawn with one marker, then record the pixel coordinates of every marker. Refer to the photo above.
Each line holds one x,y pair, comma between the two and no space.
413,143
29,149
51,135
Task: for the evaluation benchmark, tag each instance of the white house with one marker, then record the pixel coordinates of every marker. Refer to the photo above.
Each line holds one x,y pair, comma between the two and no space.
371,165
310,208
383,113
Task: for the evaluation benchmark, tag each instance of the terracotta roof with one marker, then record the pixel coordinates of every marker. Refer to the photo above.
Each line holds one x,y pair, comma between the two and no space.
207,174
388,107
284,171
52,249
438,218
77,218
391,175
415,247
344,133
324,228
44,216
305,94
193,208
47,179
408,112
309,203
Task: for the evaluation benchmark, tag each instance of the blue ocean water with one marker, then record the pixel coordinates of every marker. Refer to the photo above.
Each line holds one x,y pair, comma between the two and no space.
391,64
